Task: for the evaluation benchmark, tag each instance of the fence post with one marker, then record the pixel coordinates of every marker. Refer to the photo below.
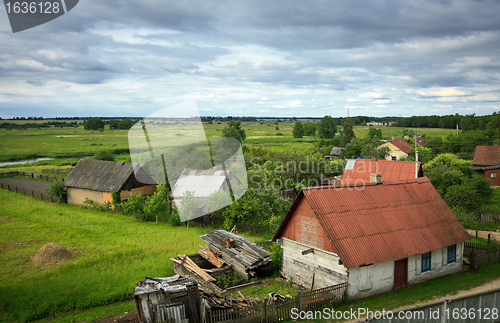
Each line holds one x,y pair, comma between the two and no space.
476,234
8,187
32,193
298,301
489,236
16,192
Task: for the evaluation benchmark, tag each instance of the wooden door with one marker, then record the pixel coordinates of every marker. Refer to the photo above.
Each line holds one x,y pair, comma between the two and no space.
400,273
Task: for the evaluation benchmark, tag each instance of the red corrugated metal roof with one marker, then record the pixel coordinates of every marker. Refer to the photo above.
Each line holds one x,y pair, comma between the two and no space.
391,171
486,156
375,223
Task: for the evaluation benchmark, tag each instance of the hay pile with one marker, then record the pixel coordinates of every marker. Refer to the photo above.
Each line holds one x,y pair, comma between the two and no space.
51,253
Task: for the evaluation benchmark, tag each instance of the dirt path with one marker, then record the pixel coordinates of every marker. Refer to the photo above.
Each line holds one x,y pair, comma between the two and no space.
25,186
484,234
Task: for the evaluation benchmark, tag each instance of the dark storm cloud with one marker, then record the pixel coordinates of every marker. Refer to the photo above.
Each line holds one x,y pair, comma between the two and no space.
124,51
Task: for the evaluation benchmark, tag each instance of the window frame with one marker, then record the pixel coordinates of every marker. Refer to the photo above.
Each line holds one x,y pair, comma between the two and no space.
429,258
452,248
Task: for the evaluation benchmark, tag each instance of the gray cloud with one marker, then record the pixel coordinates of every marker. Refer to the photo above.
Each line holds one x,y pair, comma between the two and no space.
123,57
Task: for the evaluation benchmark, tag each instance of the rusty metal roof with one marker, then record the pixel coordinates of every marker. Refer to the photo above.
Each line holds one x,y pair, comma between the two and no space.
373,223
100,175
402,144
487,156
360,170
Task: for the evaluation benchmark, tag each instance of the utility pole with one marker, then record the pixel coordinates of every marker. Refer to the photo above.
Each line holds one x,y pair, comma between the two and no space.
416,151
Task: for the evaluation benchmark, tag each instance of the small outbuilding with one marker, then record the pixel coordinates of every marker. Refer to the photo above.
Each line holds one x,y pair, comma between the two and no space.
377,236
97,179
487,161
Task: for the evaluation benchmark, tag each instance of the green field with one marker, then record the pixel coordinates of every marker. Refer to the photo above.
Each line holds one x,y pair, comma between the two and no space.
77,142
111,254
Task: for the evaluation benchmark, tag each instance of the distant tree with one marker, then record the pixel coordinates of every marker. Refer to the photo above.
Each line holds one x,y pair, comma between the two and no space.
126,124
277,128
327,128
310,129
298,130
348,130
113,124
93,124
233,130
375,133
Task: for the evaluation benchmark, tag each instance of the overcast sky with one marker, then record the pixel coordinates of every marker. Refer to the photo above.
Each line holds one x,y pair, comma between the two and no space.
260,58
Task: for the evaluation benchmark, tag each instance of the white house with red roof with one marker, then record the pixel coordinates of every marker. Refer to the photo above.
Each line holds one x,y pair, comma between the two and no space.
376,237
398,148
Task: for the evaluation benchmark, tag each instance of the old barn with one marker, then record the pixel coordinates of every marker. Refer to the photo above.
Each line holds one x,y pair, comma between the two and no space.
487,161
376,237
97,179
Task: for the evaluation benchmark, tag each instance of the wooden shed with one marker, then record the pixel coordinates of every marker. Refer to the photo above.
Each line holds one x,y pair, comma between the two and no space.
376,237
487,161
97,179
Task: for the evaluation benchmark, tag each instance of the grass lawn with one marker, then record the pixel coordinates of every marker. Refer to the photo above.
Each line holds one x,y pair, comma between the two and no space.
111,254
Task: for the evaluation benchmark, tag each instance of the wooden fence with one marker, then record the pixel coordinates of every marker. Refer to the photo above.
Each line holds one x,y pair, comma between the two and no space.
32,175
28,192
280,310
476,247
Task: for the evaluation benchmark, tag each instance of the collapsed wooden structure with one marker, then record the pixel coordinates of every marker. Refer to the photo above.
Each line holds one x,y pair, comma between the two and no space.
224,252
169,299
245,257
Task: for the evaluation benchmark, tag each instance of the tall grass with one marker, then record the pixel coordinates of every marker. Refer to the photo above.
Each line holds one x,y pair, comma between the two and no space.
111,254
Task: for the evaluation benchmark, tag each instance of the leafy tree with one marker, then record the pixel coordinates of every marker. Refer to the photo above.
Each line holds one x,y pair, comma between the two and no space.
470,196
298,130
348,130
157,204
310,129
375,133
277,128
126,124
327,128
93,124
113,124
234,130
134,205
57,190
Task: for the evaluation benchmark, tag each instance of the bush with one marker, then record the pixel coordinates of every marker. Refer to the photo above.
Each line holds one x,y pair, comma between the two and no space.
134,205
93,124
57,190
276,257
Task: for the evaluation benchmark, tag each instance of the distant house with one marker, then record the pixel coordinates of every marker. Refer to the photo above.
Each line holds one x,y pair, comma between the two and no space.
357,171
398,148
487,161
97,179
376,237
335,153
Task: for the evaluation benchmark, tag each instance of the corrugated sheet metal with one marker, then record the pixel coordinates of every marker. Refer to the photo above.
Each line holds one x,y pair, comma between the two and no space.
357,171
103,176
382,222
486,156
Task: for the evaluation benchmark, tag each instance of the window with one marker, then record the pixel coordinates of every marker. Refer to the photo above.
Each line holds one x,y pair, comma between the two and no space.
394,158
493,174
426,261
452,253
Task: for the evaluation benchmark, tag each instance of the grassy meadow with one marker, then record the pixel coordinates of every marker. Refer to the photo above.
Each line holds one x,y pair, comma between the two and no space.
111,254
73,143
